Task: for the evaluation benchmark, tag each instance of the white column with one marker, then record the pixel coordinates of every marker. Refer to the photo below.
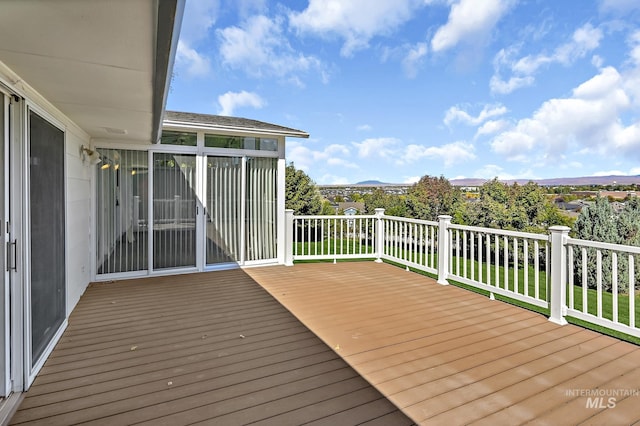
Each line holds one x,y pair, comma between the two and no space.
558,284
379,236
443,248
288,237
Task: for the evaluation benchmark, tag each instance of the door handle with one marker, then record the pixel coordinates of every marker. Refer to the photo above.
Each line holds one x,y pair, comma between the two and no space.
12,247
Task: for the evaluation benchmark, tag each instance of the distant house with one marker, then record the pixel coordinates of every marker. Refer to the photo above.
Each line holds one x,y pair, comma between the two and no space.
350,208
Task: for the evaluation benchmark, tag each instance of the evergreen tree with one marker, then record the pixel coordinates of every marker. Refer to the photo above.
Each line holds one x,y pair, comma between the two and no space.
597,223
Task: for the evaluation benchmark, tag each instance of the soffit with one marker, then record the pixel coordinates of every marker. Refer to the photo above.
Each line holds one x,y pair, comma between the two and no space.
93,60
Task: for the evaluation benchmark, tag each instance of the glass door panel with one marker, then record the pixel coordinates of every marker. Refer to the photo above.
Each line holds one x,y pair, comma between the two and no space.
261,237
223,214
47,214
175,207
121,211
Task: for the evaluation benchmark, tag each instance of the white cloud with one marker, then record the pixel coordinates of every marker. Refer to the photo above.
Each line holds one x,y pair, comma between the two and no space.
469,21
492,127
354,21
411,179
455,113
232,100
584,40
619,6
195,64
449,154
260,49
363,128
610,173
414,58
331,179
377,147
198,19
588,121
306,158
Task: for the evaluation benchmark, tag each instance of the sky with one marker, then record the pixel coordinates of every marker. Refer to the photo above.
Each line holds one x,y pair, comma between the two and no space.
393,90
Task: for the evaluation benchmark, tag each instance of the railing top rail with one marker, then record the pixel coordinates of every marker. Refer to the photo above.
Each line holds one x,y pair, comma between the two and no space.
603,246
334,216
411,220
504,232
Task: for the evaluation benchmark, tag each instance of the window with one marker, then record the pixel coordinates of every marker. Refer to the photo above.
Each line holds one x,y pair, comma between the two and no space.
241,142
178,138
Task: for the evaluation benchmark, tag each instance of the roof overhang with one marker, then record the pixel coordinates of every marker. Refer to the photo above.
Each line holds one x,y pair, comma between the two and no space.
225,124
104,64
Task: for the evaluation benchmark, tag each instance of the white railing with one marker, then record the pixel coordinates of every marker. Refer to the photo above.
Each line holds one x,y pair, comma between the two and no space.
512,264
590,281
410,242
332,237
601,284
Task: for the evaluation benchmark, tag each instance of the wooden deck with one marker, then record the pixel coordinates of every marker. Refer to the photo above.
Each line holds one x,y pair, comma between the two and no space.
212,348
447,356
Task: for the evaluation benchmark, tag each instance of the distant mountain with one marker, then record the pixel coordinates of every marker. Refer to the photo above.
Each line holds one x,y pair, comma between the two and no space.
371,182
576,181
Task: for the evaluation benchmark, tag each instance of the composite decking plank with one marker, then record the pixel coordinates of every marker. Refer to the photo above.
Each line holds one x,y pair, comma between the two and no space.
434,366
195,369
533,406
180,339
170,405
166,344
366,412
140,360
353,407
501,397
432,391
440,353
346,392
432,372
577,409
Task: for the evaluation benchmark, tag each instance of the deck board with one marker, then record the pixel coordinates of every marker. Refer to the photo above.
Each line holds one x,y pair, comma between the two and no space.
211,347
217,348
445,355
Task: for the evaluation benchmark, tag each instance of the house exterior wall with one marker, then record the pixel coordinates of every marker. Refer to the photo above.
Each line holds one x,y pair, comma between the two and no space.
77,185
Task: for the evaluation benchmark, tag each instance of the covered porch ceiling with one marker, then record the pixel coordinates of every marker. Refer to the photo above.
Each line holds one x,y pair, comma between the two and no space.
104,64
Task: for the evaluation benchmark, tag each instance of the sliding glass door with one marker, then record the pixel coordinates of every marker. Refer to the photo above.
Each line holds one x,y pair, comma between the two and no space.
175,209
205,210
47,232
223,209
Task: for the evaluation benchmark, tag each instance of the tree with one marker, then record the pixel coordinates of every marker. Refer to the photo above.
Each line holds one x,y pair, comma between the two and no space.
628,223
301,193
492,208
515,207
597,223
431,197
393,205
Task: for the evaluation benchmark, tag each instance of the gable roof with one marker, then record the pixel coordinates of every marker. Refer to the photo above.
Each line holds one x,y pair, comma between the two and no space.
220,122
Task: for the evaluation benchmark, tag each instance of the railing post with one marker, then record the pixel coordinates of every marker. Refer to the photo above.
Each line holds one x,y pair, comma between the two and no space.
443,249
288,237
558,283
379,237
